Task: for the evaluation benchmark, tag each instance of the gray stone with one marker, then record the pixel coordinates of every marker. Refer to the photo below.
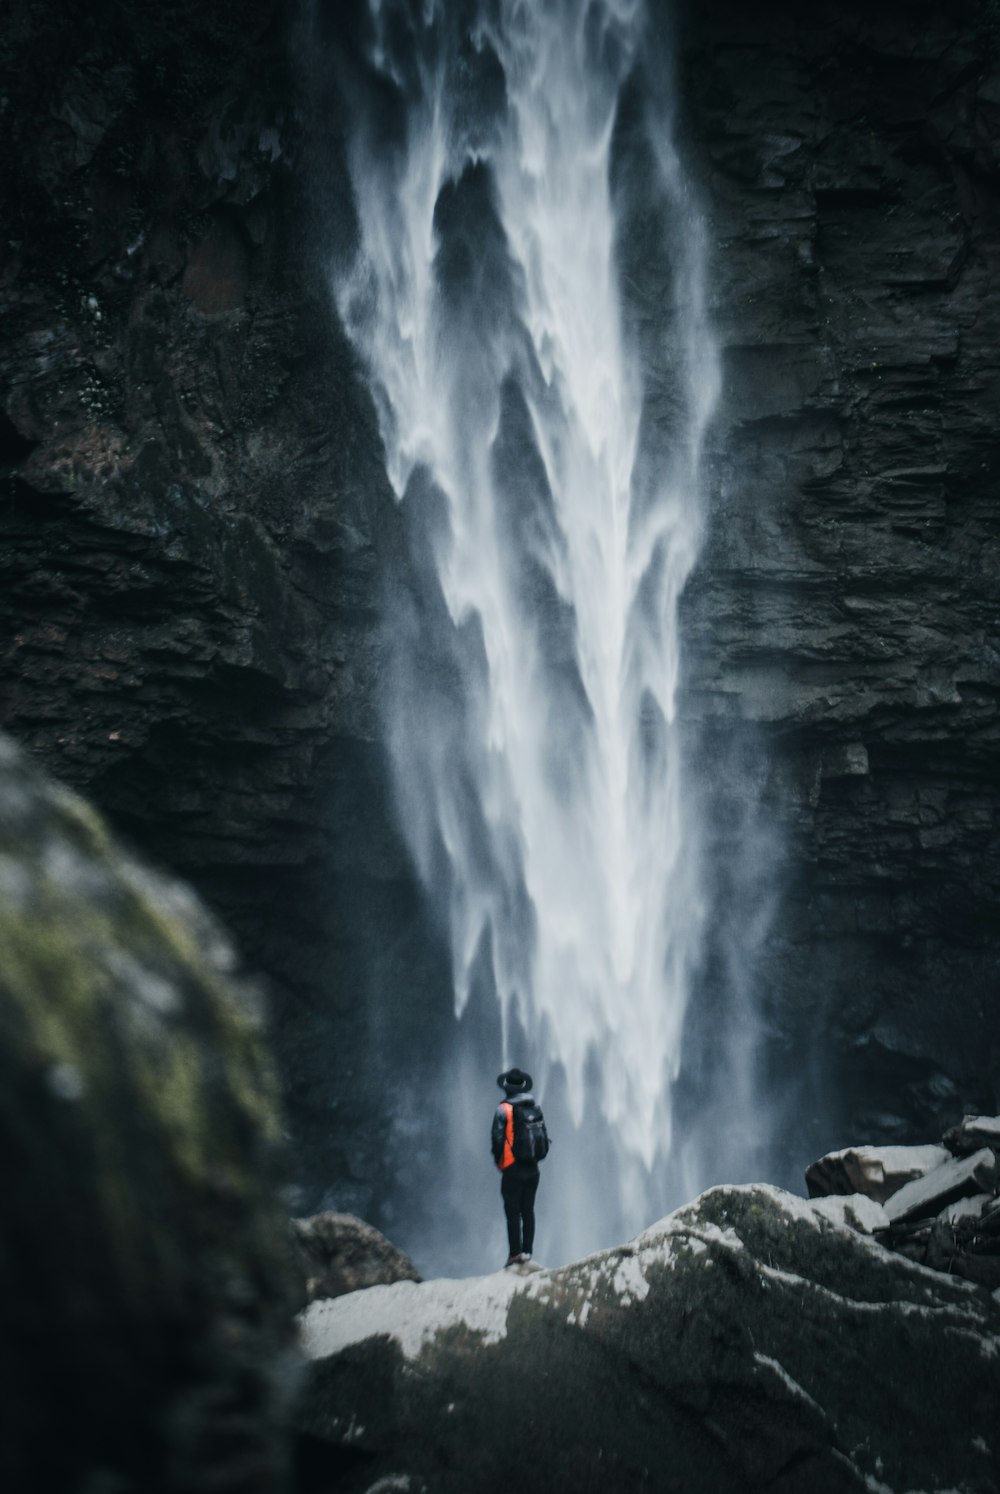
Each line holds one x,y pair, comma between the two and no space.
972,1207
720,1351
928,1195
339,1253
973,1132
847,761
878,1171
857,1210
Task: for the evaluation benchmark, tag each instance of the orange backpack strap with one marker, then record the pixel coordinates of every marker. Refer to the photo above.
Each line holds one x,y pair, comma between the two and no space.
507,1155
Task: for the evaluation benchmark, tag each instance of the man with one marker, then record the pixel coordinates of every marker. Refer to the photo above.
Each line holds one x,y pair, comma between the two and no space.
519,1142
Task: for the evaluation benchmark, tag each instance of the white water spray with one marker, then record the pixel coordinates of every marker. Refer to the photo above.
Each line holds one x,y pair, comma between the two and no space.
532,728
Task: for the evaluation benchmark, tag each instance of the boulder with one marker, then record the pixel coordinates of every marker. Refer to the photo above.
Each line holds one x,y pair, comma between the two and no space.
973,1133
146,1289
878,1171
748,1341
856,1210
972,1207
339,1253
968,1246
927,1196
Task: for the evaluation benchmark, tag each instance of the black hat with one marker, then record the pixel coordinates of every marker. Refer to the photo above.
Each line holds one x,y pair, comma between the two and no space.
514,1080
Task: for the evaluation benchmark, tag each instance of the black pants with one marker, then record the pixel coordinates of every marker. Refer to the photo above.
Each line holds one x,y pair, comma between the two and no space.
518,1186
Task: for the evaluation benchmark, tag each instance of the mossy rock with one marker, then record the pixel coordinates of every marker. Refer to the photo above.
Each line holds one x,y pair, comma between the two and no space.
145,1279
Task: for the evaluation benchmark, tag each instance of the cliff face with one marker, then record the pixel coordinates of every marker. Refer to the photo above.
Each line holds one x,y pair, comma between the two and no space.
195,524
191,486
843,621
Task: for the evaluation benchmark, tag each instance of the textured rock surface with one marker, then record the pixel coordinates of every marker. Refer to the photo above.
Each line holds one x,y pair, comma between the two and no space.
146,1287
842,626
973,1132
878,1171
341,1254
191,485
960,1177
746,1342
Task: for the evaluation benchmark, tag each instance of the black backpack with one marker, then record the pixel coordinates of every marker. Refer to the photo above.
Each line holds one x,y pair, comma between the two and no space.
531,1140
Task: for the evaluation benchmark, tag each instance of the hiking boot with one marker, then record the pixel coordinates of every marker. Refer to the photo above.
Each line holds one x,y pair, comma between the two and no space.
512,1260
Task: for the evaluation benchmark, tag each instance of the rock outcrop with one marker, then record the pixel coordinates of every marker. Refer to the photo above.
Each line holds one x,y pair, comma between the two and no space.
749,1341
878,1171
340,1254
945,1215
146,1285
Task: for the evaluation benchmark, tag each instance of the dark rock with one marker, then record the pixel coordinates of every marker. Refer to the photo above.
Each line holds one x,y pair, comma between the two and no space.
973,1206
340,1254
973,1133
146,1287
878,1171
927,1196
678,1362
969,1246
837,626
191,490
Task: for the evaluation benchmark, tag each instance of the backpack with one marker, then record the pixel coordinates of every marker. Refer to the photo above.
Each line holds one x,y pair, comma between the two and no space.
531,1140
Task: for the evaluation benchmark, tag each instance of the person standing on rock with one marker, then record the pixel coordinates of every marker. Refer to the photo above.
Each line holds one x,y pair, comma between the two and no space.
520,1141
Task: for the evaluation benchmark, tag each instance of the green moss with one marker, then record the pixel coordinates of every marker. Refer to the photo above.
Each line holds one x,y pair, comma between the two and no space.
92,832
194,1078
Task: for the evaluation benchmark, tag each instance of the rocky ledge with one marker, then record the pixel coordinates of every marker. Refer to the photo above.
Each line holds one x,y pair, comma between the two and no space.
940,1204
752,1340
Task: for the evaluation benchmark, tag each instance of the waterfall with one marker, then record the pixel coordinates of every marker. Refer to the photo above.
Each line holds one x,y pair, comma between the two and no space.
543,435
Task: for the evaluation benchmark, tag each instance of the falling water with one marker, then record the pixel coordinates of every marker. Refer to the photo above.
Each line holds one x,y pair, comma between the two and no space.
553,508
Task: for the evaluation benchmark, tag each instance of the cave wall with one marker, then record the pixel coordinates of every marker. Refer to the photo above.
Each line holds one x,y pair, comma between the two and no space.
195,523
842,625
193,501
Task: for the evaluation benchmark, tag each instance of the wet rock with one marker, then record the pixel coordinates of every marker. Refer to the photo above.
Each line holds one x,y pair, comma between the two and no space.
973,1132
928,1195
833,625
878,1171
686,1350
340,1254
145,1279
192,492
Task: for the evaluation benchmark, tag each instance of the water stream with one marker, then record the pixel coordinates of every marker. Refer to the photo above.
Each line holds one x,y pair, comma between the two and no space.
543,433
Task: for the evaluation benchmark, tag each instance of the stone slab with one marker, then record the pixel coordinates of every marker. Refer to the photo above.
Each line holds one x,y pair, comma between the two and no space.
972,1207
856,1210
877,1171
955,1179
974,1132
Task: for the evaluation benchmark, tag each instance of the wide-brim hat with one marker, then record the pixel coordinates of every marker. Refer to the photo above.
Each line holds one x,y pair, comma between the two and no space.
514,1079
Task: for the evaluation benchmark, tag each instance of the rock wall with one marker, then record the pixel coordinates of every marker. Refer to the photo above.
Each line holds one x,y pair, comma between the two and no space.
195,523
192,494
842,662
